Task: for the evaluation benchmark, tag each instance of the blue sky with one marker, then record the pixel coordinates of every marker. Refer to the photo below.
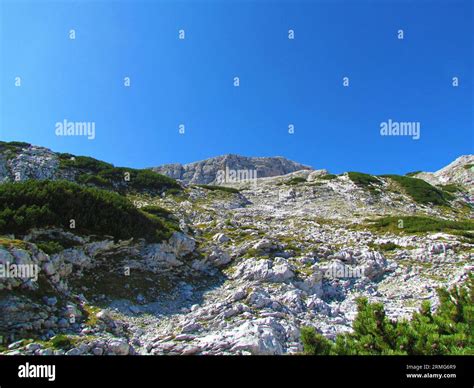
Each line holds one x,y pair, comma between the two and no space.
282,81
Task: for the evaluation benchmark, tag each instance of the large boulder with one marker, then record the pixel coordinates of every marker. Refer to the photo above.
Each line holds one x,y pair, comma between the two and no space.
118,347
277,270
259,337
181,244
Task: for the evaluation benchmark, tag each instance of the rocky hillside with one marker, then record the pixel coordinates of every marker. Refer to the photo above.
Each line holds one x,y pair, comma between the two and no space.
460,172
206,171
22,161
237,269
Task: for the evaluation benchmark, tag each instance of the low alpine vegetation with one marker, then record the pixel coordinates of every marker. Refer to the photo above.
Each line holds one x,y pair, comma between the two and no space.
413,173
42,204
50,247
415,224
220,188
447,331
295,181
11,149
328,177
363,180
104,175
421,191
384,247
452,188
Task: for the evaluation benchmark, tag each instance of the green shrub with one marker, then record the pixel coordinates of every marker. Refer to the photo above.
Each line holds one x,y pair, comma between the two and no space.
421,191
448,331
104,175
149,180
90,179
19,144
157,211
38,204
50,247
169,224
451,188
413,173
10,149
415,224
363,180
295,181
314,343
385,247
13,145
174,192
61,341
328,177
82,163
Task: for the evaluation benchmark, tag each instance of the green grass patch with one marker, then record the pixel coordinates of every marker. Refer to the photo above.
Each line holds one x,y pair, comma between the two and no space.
61,341
415,224
12,243
91,314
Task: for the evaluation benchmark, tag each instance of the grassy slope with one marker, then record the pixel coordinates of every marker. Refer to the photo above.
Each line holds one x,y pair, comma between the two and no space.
31,204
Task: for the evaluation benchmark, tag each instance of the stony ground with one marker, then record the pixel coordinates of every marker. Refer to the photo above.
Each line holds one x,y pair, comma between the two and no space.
247,272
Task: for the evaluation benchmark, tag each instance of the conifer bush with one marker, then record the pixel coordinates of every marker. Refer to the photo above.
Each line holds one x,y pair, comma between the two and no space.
42,204
447,331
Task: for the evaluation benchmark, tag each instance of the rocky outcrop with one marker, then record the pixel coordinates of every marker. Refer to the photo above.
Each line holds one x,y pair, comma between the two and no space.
206,171
29,162
460,171
244,274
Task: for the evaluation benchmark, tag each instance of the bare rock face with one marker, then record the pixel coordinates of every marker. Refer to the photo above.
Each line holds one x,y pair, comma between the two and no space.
206,171
461,171
31,162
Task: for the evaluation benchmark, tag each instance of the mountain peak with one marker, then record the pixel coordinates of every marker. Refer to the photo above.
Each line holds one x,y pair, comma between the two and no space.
206,171
460,171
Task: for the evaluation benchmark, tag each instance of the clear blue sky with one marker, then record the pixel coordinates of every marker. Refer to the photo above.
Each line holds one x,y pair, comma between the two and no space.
282,81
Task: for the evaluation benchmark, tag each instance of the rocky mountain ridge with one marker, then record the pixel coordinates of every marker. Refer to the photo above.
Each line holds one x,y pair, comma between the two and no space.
207,171
20,161
251,263
460,171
